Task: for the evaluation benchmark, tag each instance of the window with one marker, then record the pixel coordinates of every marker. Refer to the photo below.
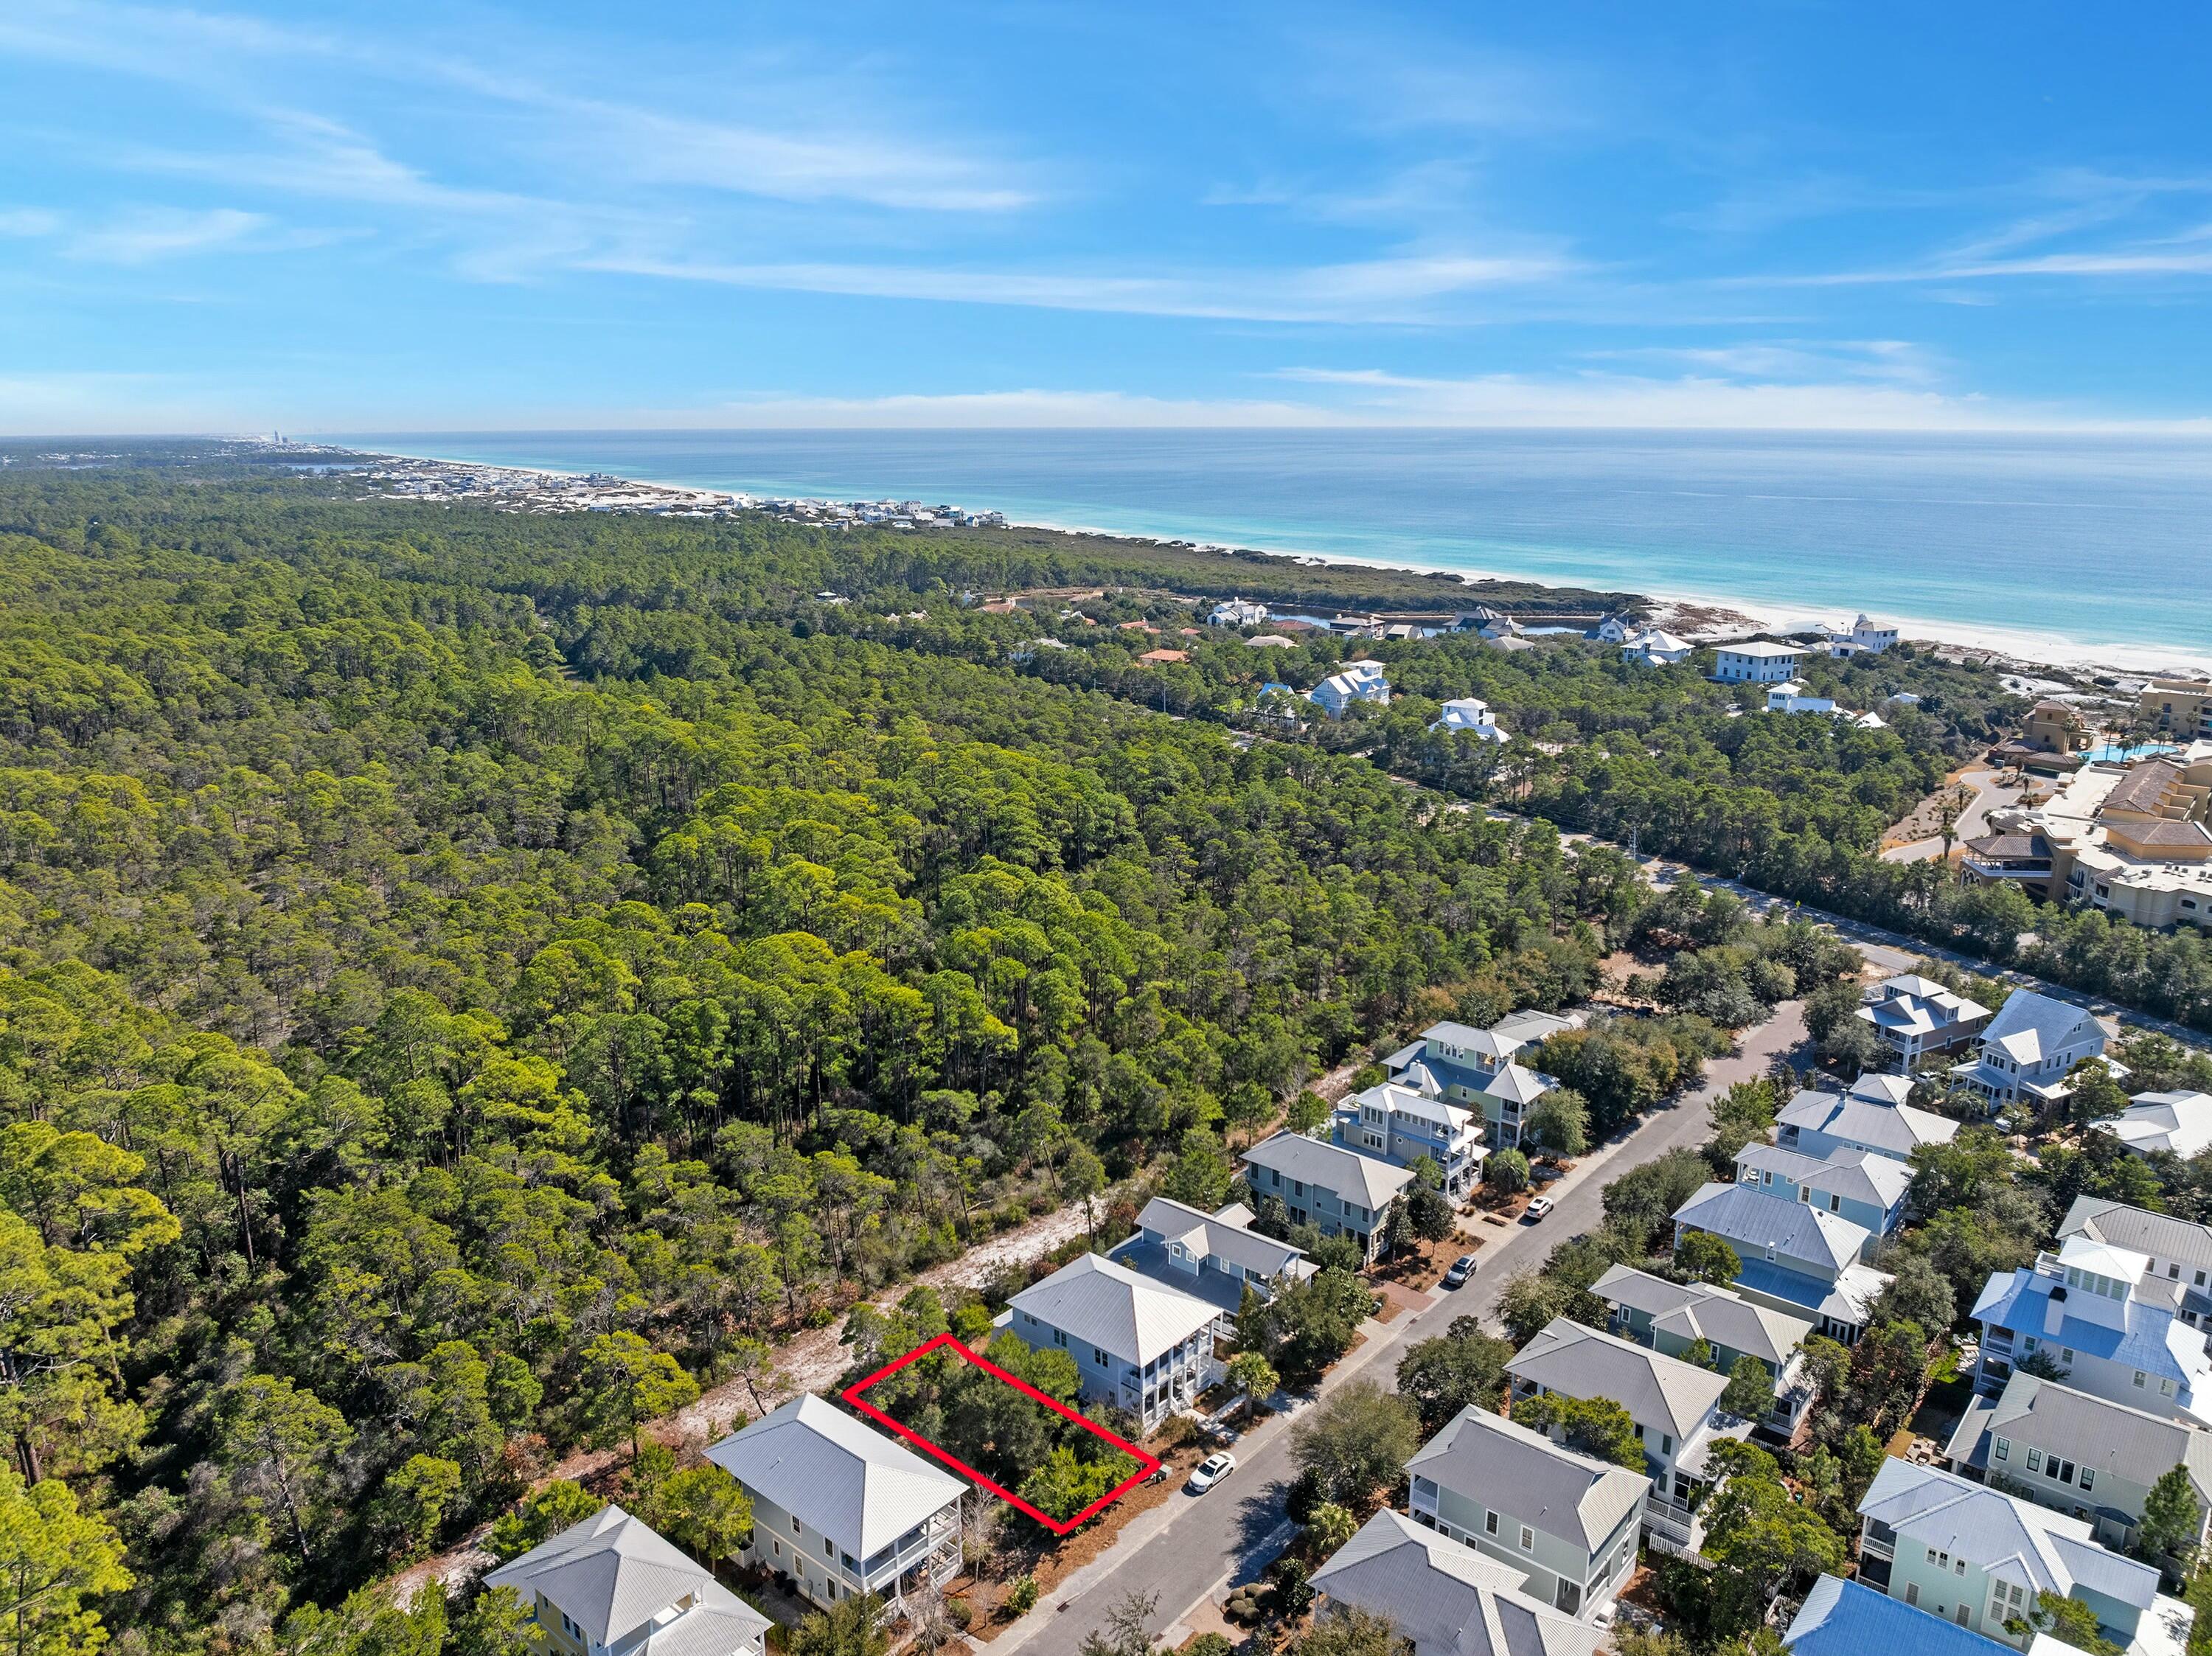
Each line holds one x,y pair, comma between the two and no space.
2088,1480
776,1547
1060,1337
1098,1356
2139,1380
2035,1460
1665,1444
794,1524
1913,1593
828,1551
1528,1539
2001,1449
1965,1617
1490,1523
2165,1388
1958,1567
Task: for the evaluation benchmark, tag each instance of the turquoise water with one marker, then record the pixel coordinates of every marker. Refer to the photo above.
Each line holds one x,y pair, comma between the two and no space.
2102,540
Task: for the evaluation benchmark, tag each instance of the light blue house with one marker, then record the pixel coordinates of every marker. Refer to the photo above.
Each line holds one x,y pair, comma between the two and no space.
1866,1189
1480,1068
1794,1257
1137,1345
1400,1126
1872,1117
1848,1618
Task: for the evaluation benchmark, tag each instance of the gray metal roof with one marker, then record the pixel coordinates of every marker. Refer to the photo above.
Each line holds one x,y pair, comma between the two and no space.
1898,1129
1215,1236
1855,1175
1368,1182
2029,1026
2015,1540
613,1575
1580,1362
1757,1223
837,1474
2177,1121
1129,1316
2104,1437
1523,1474
1697,1310
1448,1599
1517,1085
2160,1235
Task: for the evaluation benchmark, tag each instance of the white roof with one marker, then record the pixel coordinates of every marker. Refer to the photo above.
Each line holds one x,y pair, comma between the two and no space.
2103,1258
1109,1305
1406,1100
615,1577
1346,1172
1762,651
1518,1085
2030,1027
2180,1122
839,1477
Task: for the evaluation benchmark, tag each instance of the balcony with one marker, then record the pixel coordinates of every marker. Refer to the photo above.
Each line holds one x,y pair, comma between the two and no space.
936,1542
1671,1524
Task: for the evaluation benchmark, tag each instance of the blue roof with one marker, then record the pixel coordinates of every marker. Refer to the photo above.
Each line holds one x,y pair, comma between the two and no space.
2024,1306
1846,1618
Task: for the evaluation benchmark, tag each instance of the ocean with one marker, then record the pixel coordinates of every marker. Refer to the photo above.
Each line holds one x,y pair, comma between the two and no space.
2094,546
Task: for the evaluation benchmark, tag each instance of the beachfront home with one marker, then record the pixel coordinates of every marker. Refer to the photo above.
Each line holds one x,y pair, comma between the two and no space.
1913,1016
1341,1193
1359,681
840,1508
1471,716
2179,1123
1671,1317
1867,1189
2086,1456
1215,1255
611,1586
1758,663
1873,1117
2027,1050
1862,637
1615,629
1793,1257
2112,1326
1400,1126
1478,1067
1658,649
1569,1520
1139,1344
1978,1557
2179,709
2179,1250
1675,1406
1442,1599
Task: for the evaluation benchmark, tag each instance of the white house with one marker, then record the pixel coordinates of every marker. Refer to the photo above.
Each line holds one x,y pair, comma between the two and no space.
841,1507
1359,681
611,1586
1270,641
1791,697
1471,715
1138,1343
1865,638
2028,1049
1659,649
2179,1123
1756,663
1236,612
1615,629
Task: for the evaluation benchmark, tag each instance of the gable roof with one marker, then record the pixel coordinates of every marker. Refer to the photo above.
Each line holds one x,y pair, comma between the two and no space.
1523,1474
1448,1598
837,1474
1698,1311
1109,1305
1369,1182
1517,1085
1849,1618
1409,1100
613,1574
1218,1236
2157,1235
1855,1175
2107,1437
1467,1038
2013,1539
2031,1027
1895,1129
2178,1121
1530,1025
1797,1229
1580,1362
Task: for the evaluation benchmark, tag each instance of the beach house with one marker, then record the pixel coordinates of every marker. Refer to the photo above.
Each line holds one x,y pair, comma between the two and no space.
1340,1193
1139,1345
1756,663
611,1586
1400,1126
2026,1052
1914,1016
1873,1116
1671,1318
1441,1598
1358,681
1792,1256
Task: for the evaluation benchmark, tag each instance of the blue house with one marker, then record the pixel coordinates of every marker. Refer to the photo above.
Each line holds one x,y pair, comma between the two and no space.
1866,1189
1479,1067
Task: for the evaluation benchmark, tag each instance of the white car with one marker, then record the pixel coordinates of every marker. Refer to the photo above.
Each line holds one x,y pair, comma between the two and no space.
1210,1471
1540,1209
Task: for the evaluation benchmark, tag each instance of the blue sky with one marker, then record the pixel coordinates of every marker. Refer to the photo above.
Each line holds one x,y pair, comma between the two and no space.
444,216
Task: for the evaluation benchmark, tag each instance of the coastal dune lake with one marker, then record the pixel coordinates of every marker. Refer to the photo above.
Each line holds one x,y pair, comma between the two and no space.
2091,541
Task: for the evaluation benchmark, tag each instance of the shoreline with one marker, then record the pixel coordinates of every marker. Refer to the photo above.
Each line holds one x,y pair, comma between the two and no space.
2025,651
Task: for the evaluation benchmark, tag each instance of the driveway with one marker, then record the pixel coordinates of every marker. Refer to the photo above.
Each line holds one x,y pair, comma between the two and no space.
1195,1547
1973,822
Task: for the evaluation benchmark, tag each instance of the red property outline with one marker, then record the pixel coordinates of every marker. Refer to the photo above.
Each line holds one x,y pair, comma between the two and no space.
1147,1463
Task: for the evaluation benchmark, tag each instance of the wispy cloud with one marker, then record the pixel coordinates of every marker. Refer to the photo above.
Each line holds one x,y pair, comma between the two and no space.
160,233
1895,362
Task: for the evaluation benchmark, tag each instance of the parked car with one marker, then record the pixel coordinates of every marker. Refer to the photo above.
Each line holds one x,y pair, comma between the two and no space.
1210,1471
1538,1209
1459,1270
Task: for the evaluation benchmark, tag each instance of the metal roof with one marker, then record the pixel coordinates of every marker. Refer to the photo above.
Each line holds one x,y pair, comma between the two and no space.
837,1475
1893,1129
1698,1311
615,1576
1849,1618
2030,1027
1345,1172
1797,1229
1217,1236
1130,1317
1580,1362
1446,1597
2161,1235
1856,1175
1525,1475
2178,1121
2130,1443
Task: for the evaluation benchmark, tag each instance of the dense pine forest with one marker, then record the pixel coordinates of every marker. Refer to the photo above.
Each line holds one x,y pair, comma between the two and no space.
469,980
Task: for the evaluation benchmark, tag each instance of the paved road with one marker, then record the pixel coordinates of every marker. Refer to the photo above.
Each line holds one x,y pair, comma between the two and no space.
1194,1547
1973,821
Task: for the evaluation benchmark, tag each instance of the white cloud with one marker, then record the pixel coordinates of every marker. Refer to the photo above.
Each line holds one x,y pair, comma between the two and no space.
158,232
28,223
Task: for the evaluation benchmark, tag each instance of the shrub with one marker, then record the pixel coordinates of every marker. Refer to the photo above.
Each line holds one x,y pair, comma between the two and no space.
1020,1597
